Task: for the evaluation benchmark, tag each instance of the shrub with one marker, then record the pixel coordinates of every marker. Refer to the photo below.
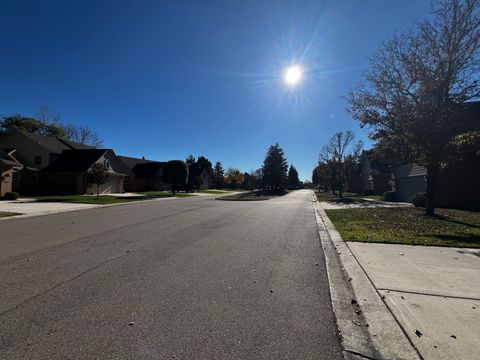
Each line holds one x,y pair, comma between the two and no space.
389,196
11,195
419,199
369,192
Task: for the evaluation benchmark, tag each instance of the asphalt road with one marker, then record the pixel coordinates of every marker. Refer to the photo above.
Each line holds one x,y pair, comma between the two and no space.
192,278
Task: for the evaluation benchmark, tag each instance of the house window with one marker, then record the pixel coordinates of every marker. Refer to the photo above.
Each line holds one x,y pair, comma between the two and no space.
38,160
106,164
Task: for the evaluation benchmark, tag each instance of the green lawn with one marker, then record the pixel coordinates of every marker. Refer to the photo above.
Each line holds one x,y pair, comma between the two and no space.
5,214
86,199
408,226
213,191
251,196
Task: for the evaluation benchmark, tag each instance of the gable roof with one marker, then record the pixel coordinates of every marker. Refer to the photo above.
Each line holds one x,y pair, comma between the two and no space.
151,168
131,162
76,145
76,160
48,142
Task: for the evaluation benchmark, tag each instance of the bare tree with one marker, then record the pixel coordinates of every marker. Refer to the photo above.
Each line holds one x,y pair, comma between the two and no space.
97,175
83,135
47,115
340,149
418,84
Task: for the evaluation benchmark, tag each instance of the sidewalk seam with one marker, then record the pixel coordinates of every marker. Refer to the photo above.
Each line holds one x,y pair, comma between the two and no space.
399,344
388,307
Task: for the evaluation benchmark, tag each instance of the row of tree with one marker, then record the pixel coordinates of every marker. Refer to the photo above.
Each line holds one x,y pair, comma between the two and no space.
48,123
275,174
415,99
338,162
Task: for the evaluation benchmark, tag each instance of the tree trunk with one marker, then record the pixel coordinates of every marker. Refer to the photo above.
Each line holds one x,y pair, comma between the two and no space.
432,174
173,189
340,181
98,191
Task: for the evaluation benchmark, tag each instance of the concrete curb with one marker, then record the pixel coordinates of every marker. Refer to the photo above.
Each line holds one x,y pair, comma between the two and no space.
379,336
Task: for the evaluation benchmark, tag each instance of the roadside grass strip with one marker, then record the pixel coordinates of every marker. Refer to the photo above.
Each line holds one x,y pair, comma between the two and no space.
450,227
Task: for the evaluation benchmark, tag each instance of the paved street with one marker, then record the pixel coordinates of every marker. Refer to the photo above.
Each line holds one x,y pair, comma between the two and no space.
194,278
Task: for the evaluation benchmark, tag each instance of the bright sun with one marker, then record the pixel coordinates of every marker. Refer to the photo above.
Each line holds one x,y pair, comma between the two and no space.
293,75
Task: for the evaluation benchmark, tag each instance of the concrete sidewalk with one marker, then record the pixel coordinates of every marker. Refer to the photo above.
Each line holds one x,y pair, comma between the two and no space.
425,299
433,292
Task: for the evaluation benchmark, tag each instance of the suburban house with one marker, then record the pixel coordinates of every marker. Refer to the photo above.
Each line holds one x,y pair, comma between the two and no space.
36,152
68,174
457,186
9,166
143,175
198,174
372,177
409,180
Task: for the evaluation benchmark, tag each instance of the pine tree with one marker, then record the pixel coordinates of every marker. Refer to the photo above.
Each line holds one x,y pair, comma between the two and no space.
274,169
218,175
293,180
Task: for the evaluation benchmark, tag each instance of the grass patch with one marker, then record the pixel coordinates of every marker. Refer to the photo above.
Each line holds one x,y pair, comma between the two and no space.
86,199
409,226
213,191
5,214
252,196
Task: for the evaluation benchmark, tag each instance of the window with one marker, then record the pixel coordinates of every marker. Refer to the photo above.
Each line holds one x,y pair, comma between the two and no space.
38,160
106,164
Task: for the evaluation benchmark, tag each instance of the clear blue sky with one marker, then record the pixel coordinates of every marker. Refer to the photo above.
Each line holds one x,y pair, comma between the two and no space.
165,79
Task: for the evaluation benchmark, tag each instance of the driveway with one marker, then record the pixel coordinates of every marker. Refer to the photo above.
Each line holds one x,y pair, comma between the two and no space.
190,279
30,207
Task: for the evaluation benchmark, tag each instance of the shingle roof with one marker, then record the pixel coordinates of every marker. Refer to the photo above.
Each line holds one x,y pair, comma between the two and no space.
148,169
75,145
76,160
56,145
130,162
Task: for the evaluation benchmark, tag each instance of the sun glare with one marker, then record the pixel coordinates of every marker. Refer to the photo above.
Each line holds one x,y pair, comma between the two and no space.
293,75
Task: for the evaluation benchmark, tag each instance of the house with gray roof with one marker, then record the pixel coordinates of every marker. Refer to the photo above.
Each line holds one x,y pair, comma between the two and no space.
144,175
68,175
35,152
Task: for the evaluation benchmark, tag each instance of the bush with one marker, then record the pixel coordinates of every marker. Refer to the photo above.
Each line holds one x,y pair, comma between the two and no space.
419,199
11,195
389,196
369,192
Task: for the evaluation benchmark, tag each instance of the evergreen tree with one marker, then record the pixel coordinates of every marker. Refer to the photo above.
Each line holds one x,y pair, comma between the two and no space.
274,169
293,180
190,160
218,175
